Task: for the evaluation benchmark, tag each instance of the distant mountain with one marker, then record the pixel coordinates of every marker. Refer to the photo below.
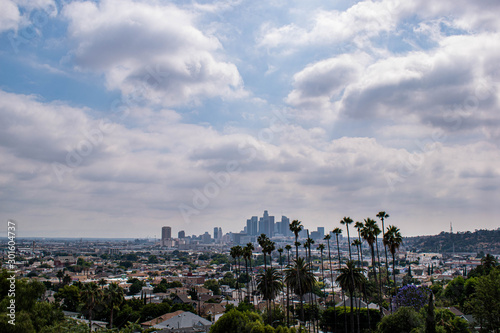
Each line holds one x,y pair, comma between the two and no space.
487,241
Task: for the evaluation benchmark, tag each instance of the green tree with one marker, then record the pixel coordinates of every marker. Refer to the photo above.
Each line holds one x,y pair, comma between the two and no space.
484,303
351,278
369,234
430,319
269,283
404,320
113,297
69,296
393,240
300,278
213,285
382,216
91,297
454,291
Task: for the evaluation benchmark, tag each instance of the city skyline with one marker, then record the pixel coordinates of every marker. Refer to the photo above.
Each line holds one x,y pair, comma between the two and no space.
120,117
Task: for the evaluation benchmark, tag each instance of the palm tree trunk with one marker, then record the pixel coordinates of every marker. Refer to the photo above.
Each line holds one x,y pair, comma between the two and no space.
333,293
380,278
343,294
385,250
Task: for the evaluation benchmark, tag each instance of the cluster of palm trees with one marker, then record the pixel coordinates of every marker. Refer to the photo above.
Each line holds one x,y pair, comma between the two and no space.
298,276
351,277
92,297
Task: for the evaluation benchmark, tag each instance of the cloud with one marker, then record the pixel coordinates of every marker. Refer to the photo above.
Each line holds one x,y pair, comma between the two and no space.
154,50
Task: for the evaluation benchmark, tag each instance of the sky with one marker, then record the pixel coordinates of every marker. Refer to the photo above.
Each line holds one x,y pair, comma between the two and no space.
118,117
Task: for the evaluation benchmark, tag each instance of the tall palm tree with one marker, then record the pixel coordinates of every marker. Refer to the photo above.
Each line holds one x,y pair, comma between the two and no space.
337,232
346,221
382,216
114,297
288,247
91,295
269,283
307,247
300,279
269,248
236,252
393,240
369,234
359,225
247,254
321,248
350,279
328,237
280,251
357,244
296,228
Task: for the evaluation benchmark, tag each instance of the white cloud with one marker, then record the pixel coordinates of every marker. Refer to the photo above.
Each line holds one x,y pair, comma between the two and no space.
152,49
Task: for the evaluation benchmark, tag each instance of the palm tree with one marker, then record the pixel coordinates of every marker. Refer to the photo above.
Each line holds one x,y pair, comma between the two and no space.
288,247
382,216
346,221
337,232
393,240
300,278
102,282
321,248
296,227
114,297
91,296
357,244
247,254
328,237
269,248
350,279
307,247
236,252
269,283
369,234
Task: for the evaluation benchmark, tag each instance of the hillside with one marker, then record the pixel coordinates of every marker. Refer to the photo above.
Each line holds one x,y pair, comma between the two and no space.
487,241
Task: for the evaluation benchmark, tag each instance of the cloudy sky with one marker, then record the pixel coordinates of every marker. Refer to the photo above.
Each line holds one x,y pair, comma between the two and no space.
118,117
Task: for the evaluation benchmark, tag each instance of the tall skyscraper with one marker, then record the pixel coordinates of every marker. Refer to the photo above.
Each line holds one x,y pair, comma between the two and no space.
166,235
285,226
266,225
216,234
181,234
252,229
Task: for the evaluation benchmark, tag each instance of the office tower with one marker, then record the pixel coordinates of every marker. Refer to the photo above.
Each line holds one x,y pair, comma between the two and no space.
206,238
220,233
166,233
216,233
285,226
266,225
252,226
166,236
321,231
181,234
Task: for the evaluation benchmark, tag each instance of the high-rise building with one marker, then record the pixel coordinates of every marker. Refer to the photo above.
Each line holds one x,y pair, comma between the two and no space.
285,226
181,234
216,234
166,235
266,225
252,229
206,238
